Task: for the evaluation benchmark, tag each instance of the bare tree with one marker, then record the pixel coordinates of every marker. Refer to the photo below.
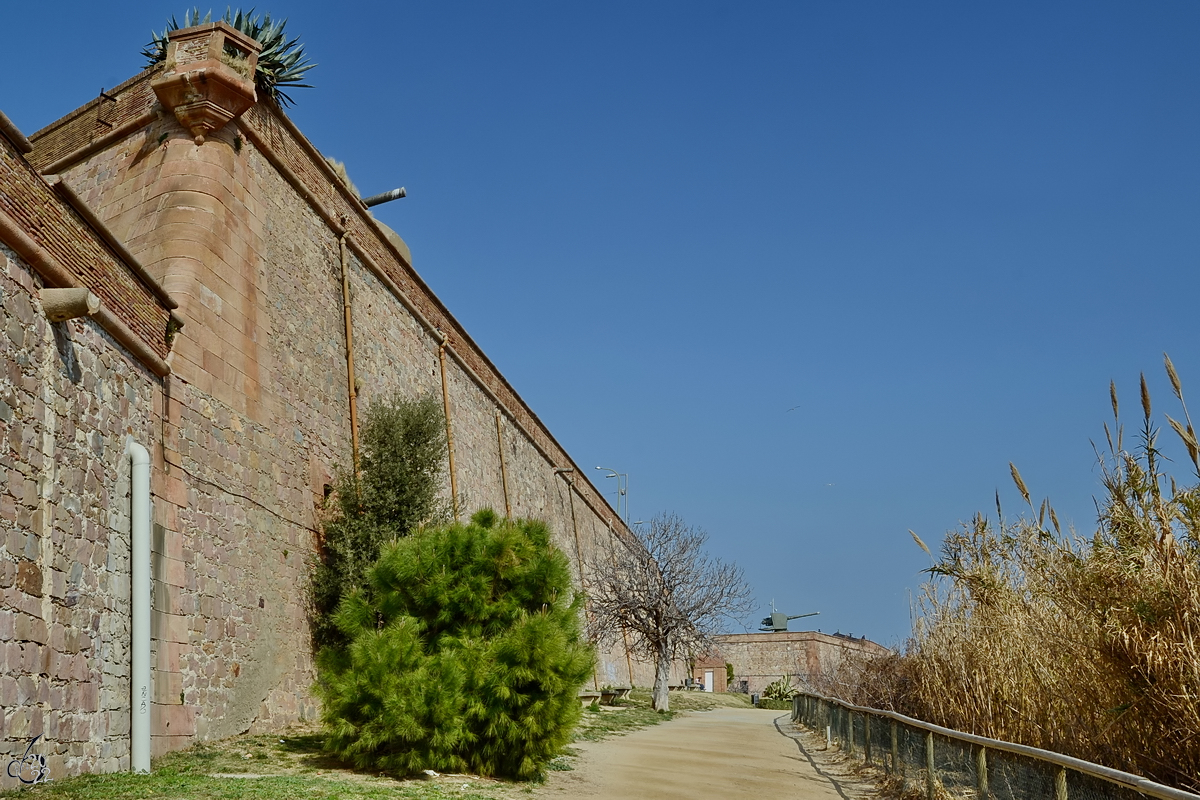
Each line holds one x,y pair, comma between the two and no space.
666,593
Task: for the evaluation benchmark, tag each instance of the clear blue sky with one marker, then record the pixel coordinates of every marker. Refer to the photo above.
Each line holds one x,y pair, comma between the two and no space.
933,231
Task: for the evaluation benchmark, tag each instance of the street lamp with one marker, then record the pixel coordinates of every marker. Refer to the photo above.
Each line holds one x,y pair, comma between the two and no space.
622,490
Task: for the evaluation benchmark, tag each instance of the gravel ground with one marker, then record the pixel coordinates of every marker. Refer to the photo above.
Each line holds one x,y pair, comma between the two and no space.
726,753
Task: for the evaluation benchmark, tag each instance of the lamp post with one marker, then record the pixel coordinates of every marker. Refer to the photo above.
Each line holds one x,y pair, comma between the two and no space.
622,490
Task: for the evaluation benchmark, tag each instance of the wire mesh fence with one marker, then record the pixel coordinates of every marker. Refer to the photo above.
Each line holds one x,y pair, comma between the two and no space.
942,764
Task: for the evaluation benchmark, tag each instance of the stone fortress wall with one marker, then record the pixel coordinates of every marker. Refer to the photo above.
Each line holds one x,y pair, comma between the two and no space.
245,410
810,660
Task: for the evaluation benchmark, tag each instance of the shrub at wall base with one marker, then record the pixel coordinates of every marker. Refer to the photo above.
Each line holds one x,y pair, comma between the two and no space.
465,655
395,491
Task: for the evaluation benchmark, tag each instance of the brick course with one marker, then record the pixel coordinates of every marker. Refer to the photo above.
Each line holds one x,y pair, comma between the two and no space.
30,202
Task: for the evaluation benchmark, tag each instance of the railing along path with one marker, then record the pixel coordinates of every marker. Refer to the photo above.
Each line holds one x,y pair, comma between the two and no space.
952,764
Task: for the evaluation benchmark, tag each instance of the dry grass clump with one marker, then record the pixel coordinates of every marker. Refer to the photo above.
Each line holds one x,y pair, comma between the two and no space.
339,169
1088,646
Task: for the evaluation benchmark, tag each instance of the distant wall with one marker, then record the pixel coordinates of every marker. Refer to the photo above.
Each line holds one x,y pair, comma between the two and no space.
807,658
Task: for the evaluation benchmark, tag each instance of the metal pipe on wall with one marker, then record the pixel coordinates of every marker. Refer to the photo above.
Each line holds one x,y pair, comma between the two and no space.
352,386
449,428
568,474
503,465
139,515
624,633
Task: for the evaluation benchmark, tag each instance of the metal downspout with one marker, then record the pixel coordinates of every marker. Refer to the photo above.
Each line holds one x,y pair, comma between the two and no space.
140,580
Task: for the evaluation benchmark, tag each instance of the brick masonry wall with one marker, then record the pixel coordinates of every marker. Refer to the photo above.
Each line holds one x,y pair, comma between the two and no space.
94,120
256,413
69,397
809,659
29,201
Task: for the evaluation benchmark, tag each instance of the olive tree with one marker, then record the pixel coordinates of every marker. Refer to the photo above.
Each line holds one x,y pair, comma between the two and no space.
665,592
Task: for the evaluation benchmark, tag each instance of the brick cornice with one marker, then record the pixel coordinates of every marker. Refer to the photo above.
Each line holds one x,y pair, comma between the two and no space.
13,133
100,142
57,276
60,242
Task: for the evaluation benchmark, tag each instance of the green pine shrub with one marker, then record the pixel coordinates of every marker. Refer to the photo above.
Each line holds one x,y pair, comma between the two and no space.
403,444
464,654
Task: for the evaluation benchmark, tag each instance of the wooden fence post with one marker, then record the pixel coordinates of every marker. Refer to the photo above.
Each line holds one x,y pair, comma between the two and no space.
930,778
897,767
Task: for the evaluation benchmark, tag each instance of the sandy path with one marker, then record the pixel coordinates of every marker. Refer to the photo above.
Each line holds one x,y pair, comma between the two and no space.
726,753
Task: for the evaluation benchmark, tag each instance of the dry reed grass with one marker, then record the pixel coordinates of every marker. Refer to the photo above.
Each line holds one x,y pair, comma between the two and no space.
1088,646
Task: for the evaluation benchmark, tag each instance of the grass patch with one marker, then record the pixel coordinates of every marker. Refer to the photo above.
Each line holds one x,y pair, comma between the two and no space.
707,701
291,765
169,783
635,713
286,766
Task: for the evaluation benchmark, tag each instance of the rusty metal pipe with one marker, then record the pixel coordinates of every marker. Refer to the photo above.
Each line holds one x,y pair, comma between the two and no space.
351,385
449,429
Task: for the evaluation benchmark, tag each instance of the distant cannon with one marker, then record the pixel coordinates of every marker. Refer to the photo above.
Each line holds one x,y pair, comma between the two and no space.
778,621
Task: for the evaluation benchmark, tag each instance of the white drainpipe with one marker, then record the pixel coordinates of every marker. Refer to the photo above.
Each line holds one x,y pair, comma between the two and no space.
139,729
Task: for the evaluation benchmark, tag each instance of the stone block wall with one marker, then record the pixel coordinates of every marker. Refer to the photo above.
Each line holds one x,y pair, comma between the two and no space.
246,232
69,397
256,417
809,659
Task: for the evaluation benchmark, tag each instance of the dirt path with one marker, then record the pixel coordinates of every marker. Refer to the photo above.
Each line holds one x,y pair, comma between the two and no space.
726,753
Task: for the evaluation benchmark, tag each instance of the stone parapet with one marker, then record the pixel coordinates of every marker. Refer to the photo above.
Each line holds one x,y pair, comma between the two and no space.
207,77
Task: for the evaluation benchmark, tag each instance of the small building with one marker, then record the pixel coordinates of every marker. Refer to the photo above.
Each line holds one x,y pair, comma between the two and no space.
710,672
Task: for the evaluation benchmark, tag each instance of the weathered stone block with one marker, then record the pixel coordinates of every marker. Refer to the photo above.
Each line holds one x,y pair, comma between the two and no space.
29,578
28,628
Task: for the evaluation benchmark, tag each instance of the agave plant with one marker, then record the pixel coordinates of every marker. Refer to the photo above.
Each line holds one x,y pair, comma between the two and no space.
781,689
281,62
